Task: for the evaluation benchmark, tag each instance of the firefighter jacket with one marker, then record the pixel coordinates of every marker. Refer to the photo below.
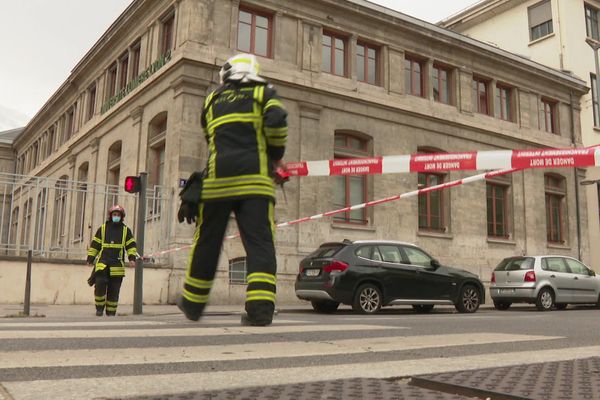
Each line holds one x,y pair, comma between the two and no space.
110,245
246,130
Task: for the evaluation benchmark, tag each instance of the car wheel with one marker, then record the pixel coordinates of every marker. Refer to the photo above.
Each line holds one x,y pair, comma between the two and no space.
545,300
469,299
502,305
367,299
422,308
561,306
325,307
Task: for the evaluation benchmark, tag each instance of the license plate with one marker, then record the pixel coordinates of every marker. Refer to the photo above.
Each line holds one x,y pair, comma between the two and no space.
313,272
506,291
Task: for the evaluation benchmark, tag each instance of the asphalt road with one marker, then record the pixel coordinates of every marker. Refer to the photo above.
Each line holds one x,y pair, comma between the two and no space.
79,356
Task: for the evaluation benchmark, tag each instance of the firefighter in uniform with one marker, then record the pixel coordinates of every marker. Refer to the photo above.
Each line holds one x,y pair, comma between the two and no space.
111,244
245,127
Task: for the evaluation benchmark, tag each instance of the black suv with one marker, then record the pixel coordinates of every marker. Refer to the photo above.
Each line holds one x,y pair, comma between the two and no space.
372,274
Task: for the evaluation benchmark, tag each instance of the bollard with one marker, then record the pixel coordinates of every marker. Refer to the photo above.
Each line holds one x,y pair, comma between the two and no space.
27,300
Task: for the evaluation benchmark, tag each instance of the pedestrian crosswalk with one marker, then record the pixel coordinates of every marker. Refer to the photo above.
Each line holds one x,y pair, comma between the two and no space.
131,357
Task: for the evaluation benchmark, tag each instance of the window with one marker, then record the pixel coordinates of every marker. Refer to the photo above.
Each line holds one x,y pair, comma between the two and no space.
441,84
237,271
431,204
40,220
368,252
554,264
254,32
14,226
70,123
135,59
595,105
157,132
50,146
34,157
367,63
334,54
497,210
91,102
390,254
111,86
113,172
540,20
350,189
123,68
81,195
576,267
60,212
548,116
414,81
503,103
167,42
26,228
480,96
591,22
417,257
555,191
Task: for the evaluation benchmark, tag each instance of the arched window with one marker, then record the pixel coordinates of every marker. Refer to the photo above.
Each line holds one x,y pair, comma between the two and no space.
433,210
81,195
555,189
350,190
157,133
60,212
113,172
237,271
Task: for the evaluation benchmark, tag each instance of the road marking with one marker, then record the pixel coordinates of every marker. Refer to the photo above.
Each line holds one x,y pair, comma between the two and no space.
153,355
171,332
157,385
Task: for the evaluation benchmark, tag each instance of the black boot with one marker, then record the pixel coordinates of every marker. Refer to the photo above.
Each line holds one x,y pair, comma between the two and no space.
99,312
246,321
192,311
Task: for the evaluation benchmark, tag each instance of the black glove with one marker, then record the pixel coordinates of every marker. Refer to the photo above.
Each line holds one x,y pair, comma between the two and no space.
187,211
191,195
92,279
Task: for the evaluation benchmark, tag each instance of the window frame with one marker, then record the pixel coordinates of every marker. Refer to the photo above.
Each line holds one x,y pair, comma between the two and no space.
333,36
505,187
591,21
91,106
438,81
595,102
548,107
413,60
238,260
254,12
123,71
366,47
477,94
428,214
555,198
536,31
167,33
498,92
111,84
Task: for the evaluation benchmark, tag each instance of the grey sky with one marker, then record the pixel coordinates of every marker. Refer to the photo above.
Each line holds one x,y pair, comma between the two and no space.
42,40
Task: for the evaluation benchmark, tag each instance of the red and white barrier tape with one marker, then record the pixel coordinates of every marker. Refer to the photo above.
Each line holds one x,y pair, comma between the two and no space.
438,162
413,193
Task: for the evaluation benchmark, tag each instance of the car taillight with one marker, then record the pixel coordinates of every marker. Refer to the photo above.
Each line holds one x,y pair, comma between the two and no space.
300,269
493,278
530,276
335,265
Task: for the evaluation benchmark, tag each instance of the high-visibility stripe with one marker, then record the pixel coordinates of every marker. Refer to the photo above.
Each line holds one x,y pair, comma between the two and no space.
112,303
92,252
229,118
253,295
261,277
100,298
195,298
277,131
272,221
273,103
276,142
236,192
198,283
95,239
236,180
130,241
132,251
188,273
257,298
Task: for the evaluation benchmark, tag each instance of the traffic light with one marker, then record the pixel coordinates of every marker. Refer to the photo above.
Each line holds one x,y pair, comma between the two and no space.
133,184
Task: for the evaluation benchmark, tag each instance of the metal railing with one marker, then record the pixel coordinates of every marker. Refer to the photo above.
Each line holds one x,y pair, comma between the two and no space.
56,218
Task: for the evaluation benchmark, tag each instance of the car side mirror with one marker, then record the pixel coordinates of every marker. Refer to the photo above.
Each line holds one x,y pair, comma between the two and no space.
592,272
435,263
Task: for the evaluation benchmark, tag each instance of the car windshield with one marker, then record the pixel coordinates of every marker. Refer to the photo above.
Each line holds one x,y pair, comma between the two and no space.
326,251
515,264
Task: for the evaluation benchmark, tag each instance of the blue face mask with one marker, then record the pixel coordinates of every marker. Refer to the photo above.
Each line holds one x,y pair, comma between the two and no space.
116,218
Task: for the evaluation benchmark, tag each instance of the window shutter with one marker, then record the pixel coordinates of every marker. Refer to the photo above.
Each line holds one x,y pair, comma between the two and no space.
540,13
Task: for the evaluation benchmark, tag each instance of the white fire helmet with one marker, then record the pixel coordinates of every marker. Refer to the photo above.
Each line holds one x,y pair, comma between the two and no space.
242,67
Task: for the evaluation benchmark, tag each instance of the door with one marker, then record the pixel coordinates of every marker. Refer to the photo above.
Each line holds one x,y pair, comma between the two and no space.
558,275
583,285
429,283
398,278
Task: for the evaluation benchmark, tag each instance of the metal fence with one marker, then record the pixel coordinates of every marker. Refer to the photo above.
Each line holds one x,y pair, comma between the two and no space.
56,218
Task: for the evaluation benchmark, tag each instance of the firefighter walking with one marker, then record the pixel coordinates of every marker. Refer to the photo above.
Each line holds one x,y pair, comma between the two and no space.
112,244
245,127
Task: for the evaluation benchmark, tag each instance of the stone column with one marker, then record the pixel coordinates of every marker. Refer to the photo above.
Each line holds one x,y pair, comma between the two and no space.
311,47
465,85
428,84
396,63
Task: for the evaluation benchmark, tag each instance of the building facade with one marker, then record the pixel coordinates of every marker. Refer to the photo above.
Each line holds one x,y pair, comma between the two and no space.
553,33
358,80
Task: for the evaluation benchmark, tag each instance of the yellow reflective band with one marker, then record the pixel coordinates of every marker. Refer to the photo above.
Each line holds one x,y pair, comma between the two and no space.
219,184
196,237
198,283
112,303
282,130
132,251
95,239
274,103
255,298
261,275
240,60
92,253
228,118
257,280
195,298
100,298
111,308
113,245
130,241
267,293
276,142
100,266
237,193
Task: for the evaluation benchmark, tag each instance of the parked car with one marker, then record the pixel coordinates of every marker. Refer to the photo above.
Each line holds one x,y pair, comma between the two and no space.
371,274
546,281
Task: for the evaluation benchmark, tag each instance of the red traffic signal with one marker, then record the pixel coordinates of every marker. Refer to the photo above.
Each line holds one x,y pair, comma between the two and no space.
133,184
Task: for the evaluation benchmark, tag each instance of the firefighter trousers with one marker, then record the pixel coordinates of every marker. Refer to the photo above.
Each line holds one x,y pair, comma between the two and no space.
106,291
255,221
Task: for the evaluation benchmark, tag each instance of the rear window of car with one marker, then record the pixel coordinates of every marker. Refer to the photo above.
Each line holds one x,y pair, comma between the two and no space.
515,264
326,251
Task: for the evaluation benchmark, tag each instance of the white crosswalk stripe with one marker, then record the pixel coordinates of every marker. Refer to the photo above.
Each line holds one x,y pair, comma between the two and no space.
327,342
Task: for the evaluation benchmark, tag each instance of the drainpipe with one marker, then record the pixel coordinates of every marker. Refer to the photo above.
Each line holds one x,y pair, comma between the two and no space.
573,143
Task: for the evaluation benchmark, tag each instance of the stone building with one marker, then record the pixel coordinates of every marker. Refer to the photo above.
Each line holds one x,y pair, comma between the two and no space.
358,80
553,33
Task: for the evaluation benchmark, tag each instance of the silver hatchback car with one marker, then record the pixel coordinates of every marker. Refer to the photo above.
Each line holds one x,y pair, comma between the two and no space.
546,281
